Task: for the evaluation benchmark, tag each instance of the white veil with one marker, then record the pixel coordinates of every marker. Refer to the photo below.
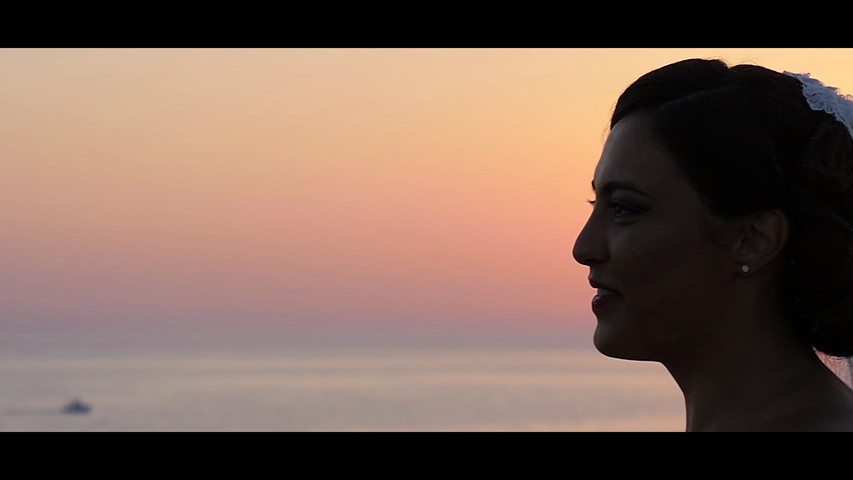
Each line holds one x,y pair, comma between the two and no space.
842,367
828,99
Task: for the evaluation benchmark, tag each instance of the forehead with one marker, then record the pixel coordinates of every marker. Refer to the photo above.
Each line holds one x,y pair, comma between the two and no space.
632,154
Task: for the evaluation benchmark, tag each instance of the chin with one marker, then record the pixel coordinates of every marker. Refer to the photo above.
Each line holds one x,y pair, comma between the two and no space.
615,345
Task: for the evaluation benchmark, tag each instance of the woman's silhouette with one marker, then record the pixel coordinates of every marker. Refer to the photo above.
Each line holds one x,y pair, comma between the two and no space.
720,242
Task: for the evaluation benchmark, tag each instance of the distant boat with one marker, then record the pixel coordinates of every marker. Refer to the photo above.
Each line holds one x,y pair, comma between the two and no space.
76,407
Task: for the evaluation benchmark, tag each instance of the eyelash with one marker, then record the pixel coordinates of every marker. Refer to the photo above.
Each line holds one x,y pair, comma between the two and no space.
625,208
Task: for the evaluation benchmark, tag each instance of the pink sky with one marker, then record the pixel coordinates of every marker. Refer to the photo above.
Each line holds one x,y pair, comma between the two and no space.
325,190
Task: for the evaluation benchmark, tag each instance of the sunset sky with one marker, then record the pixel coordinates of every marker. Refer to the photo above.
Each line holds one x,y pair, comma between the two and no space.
388,192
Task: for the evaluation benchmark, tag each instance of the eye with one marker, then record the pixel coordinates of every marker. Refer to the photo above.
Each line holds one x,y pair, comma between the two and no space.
623,210
620,209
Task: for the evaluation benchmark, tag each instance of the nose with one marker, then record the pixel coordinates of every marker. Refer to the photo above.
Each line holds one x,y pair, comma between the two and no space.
590,246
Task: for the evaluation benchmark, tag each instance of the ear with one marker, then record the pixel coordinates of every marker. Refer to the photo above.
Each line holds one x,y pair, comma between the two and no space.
762,236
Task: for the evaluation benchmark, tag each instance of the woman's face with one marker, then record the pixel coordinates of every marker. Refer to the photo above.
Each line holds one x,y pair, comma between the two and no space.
658,273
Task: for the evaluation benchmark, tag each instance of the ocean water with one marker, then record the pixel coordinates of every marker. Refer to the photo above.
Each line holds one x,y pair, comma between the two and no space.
335,389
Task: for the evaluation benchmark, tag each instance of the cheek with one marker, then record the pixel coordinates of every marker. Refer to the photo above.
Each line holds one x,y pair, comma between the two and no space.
658,255
666,290
668,251
672,273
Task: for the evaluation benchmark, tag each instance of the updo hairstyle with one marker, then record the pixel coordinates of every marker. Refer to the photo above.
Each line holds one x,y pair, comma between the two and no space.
747,140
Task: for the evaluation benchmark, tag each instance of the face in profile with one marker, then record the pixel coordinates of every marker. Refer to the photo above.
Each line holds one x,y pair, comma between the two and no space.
656,270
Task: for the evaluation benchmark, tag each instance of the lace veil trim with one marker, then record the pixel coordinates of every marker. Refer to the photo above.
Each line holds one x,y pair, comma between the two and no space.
827,99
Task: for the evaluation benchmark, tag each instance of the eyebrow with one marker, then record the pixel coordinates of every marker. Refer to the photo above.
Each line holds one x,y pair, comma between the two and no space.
611,187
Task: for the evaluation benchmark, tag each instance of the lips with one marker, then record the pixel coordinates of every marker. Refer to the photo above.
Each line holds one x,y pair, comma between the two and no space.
605,295
602,292
603,289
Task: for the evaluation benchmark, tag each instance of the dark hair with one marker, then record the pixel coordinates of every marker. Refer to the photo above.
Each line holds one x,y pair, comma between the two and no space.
747,140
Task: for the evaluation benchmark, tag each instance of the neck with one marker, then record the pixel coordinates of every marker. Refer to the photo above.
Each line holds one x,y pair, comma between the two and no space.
742,391
757,380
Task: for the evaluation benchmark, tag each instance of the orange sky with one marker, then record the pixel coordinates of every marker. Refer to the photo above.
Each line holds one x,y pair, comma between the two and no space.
325,189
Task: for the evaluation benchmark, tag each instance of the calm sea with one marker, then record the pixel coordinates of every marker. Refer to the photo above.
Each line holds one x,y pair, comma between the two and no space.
335,389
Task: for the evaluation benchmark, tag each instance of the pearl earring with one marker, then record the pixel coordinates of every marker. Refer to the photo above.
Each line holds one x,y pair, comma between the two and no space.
744,268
